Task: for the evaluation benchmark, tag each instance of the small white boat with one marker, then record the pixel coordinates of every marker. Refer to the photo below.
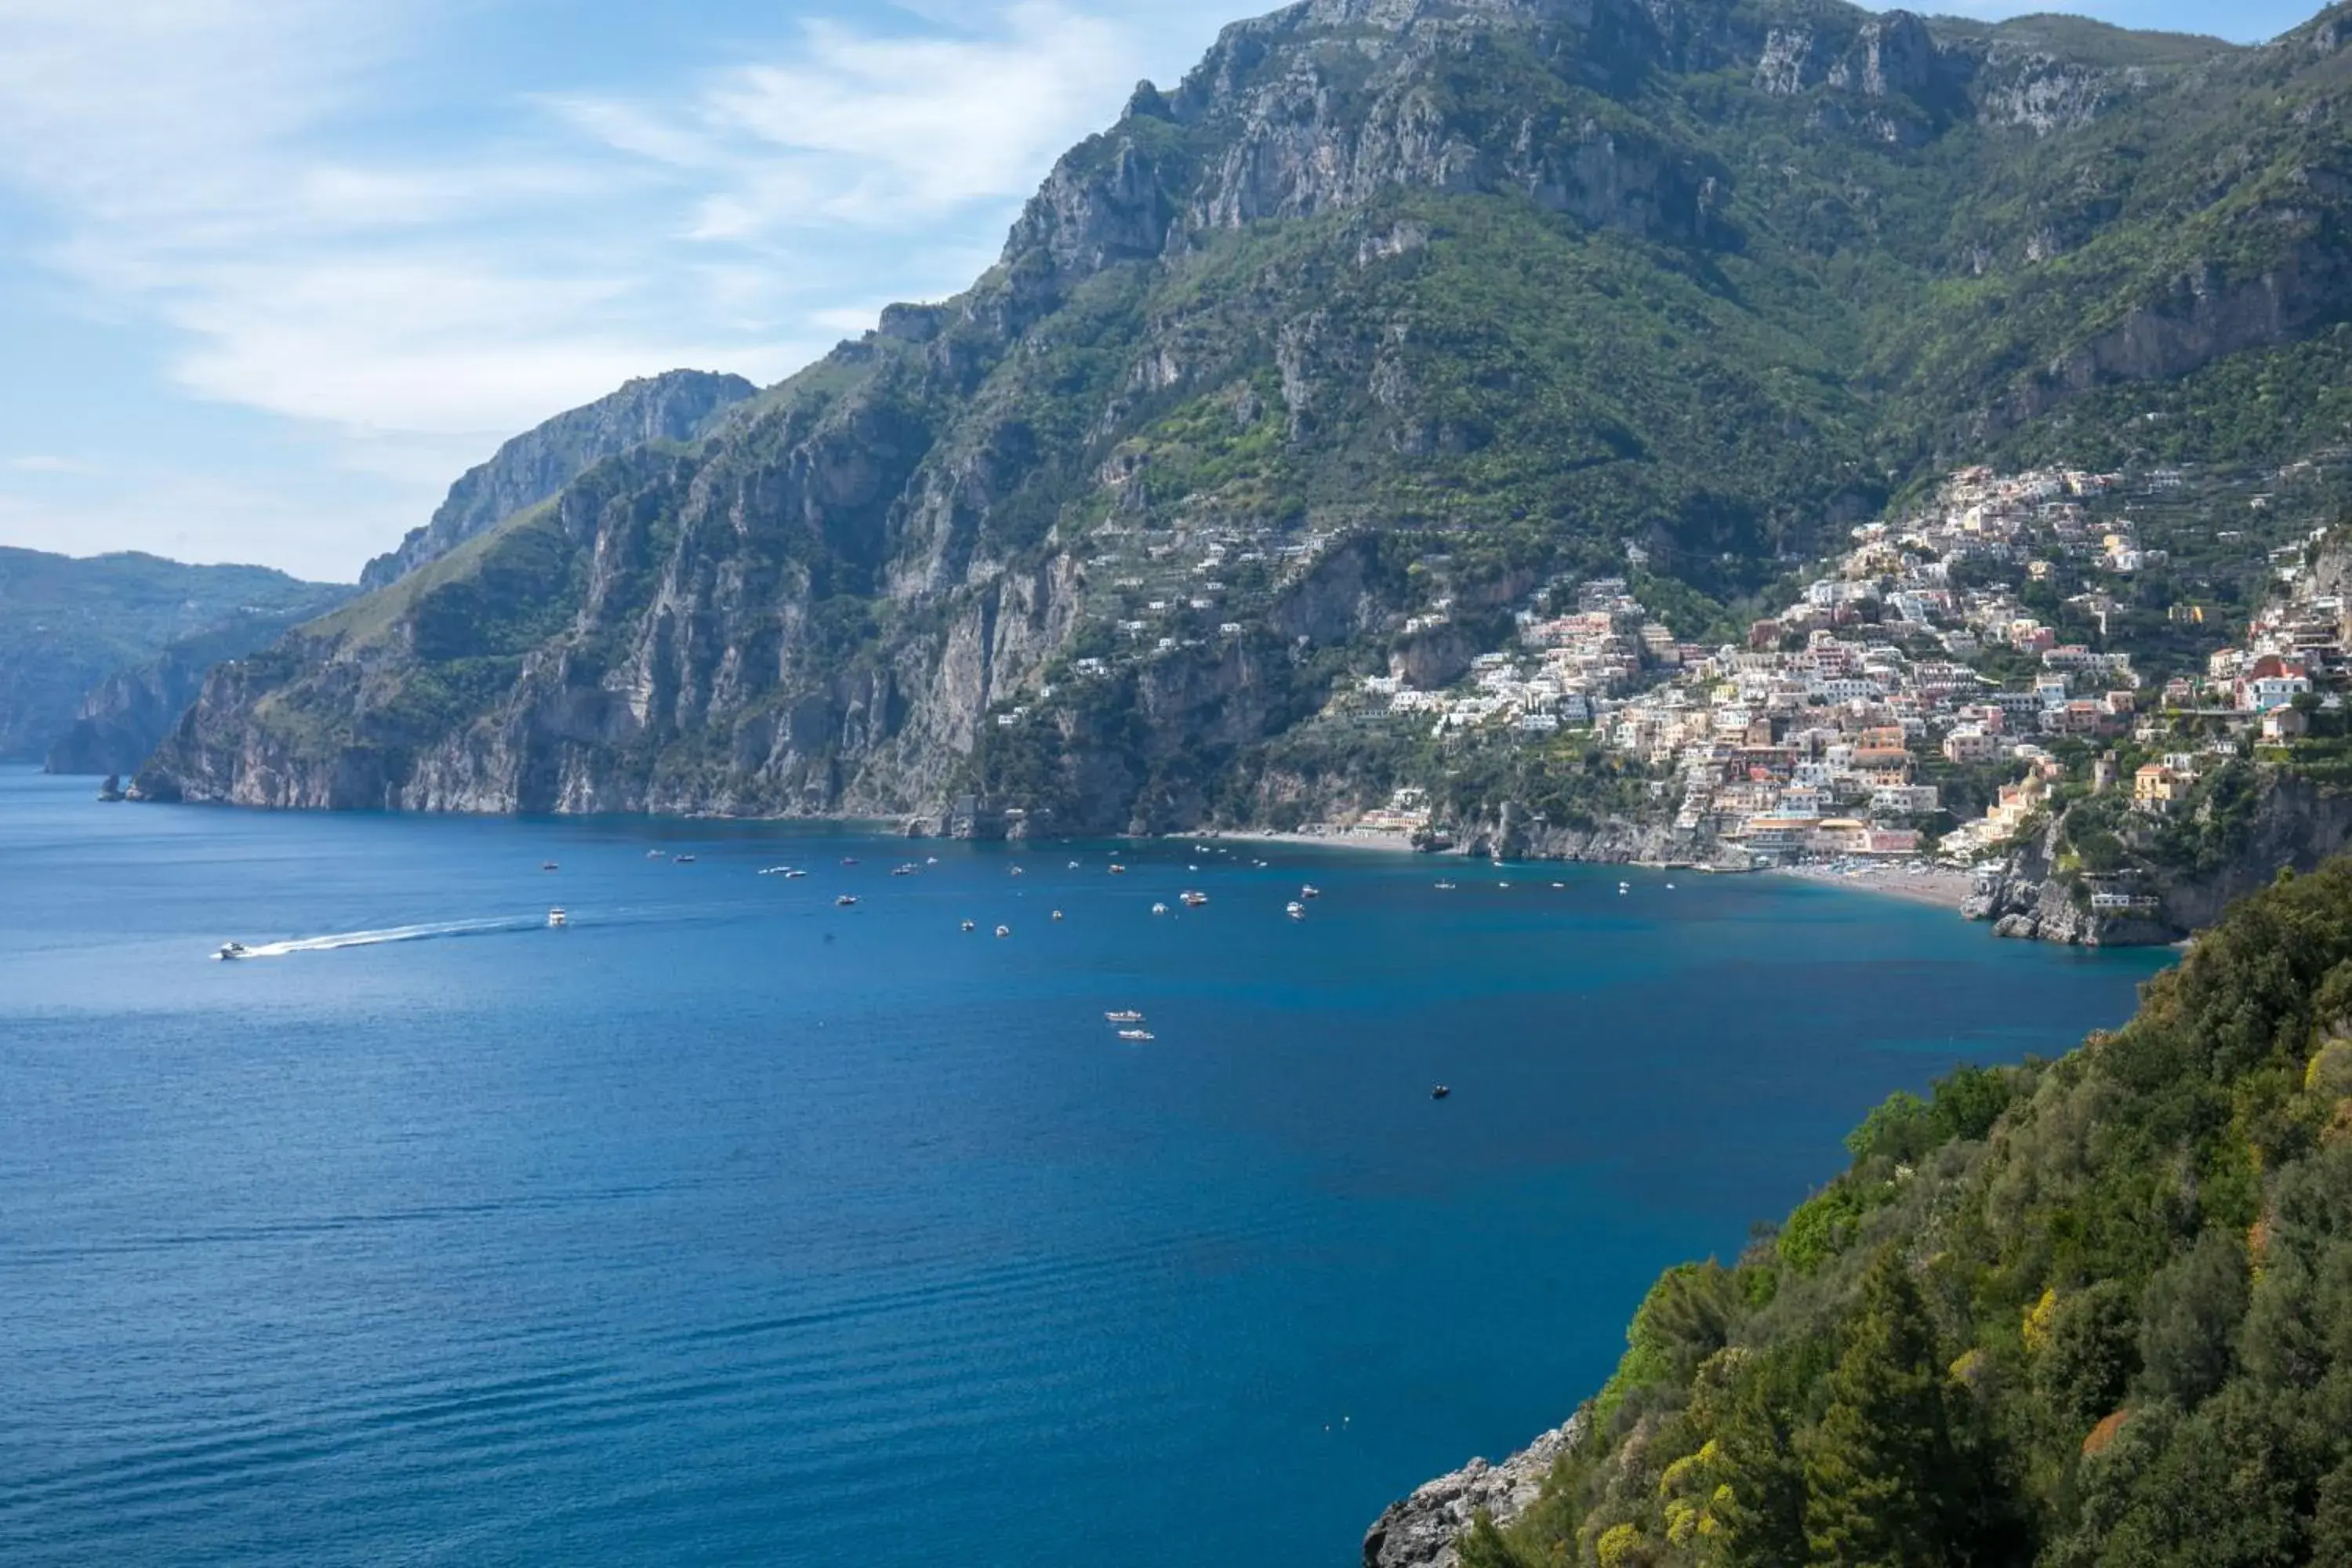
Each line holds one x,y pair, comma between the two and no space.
653,854
972,925
1117,869
230,951
549,866
1124,1016
1015,871
681,860
1294,910
1159,909
1074,865
557,919
1137,1034
1004,930
1191,901
1311,891
1057,914
1447,887
847,901
792,874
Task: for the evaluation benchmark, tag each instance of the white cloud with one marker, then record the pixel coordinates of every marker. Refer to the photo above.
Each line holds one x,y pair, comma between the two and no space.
263,188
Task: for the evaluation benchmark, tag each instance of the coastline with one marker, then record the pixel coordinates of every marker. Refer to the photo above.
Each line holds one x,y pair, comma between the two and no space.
1385,842
1939,886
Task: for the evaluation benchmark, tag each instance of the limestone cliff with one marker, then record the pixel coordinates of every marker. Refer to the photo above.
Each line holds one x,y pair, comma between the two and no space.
676,407
1390,307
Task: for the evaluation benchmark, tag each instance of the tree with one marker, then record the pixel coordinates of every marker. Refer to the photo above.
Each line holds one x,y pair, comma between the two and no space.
1878,1466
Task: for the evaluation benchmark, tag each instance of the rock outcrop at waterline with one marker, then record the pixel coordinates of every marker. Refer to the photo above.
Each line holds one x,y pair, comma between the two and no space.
1423,1530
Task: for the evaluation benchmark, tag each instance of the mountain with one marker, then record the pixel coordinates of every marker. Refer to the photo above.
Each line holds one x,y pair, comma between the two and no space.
67,622
2089,1310
1315,367
672,407
124,718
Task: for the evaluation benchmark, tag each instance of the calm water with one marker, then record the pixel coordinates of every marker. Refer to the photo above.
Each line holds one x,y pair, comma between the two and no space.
731,1227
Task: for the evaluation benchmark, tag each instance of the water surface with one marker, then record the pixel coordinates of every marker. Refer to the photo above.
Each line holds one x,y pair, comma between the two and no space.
732,1226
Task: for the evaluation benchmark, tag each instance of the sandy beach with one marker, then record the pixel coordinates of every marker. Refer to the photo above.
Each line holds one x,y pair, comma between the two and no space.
1940,886
1339,839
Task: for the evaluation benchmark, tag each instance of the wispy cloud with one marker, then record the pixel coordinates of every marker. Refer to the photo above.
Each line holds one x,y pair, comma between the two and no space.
268,189
45,463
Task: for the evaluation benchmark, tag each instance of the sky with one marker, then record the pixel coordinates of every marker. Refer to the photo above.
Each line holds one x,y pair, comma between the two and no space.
274,272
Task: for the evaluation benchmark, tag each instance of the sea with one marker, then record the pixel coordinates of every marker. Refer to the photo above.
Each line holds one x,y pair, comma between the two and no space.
731,1224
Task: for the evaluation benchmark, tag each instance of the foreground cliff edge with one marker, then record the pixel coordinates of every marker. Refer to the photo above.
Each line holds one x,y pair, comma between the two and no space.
2097,1310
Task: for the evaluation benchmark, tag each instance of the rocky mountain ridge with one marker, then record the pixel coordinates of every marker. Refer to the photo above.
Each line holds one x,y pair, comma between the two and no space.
1390,302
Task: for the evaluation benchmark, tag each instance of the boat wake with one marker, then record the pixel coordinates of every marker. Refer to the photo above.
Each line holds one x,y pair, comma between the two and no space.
428,931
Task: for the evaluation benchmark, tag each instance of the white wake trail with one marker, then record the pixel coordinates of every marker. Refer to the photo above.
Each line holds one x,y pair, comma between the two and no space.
424,933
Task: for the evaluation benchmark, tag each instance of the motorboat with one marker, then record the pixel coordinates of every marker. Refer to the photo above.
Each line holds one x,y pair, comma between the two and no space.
557,919
681,860
1159,909
1074,865
909,870
1311,891
1017,871
972,925
1124,1016
1439,1091
1057,914
1117,869
653,854
1138,1035
1447,887
549,866
230,951
847,901
794,872
1191,901
1294,910
849,860
1004,930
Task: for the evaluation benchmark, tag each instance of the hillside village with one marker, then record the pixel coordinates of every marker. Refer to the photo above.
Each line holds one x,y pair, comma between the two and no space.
1910,701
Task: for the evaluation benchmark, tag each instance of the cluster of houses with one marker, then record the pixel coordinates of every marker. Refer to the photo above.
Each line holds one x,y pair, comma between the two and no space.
1813,736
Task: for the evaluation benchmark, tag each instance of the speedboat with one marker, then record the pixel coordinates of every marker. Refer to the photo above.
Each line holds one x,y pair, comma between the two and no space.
681,860
972,925
1117,869
1159,909
1294,910
230,950
794,872
1057,914
549,866
1311,891
1136,1035
557,919
1074,865
1124,1016
847,901
849,860
1192,900
1439,1091
1004,930
1446,887
1017,871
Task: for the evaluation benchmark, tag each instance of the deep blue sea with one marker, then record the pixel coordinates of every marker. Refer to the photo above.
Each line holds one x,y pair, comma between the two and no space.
730,1225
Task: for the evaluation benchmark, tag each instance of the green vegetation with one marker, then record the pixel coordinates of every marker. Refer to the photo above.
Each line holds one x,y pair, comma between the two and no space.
2091,1311
66,622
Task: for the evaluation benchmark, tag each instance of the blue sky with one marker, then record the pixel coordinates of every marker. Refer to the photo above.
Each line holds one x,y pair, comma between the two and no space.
273,272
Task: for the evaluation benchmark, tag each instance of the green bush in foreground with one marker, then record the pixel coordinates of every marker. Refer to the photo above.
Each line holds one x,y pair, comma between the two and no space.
2097,1311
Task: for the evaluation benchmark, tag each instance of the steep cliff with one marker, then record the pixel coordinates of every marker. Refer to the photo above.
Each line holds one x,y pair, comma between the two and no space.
124,717
1389,304
676,407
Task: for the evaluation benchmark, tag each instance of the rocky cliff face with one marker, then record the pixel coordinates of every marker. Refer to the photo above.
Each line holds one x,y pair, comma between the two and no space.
122,718
2296,825
676,407
1424,1531
1390,302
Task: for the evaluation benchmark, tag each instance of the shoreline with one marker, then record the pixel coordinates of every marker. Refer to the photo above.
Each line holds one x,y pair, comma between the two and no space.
1939,888
1382,843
